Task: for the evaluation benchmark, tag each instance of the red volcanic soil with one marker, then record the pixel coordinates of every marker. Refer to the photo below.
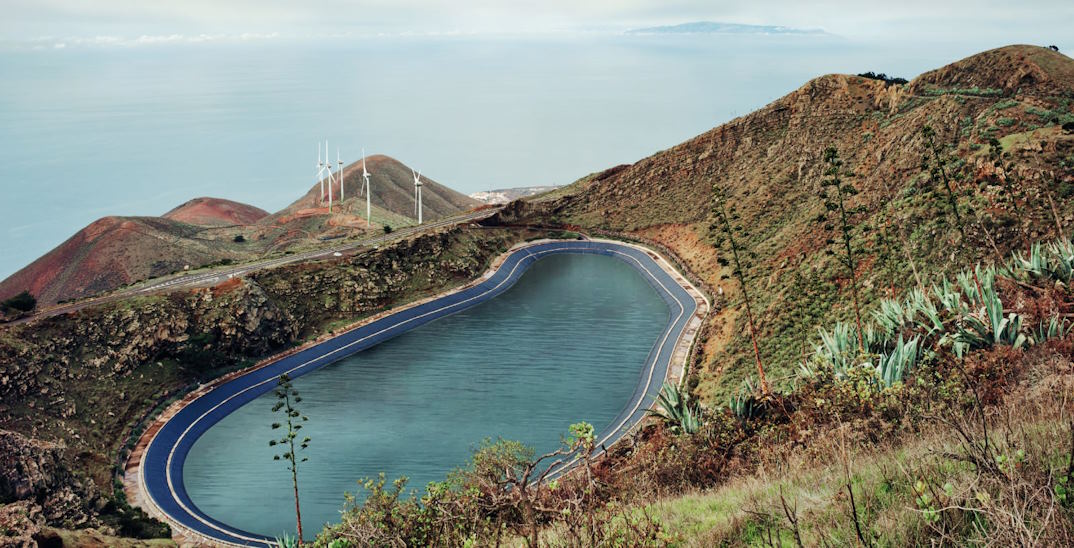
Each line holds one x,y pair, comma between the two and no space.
216,212
111,252
114,251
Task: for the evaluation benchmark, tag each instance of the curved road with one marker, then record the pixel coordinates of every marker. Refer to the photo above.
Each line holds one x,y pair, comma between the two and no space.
161,469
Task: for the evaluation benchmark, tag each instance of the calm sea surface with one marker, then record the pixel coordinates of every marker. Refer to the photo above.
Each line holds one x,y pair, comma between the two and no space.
566,343
88,132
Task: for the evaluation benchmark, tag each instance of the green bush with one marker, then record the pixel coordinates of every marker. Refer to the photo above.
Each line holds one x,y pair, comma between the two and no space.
1066,190
387,229
23,302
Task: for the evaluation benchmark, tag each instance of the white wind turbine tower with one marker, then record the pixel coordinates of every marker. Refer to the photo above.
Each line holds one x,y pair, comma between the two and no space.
340,164
365,188
417,193
320,170
331,179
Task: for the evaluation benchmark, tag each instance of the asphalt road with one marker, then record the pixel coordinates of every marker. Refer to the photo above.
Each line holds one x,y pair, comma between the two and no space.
217,275
161,470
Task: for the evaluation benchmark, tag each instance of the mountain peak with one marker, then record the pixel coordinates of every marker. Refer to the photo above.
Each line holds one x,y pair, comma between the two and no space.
207,211
1002,71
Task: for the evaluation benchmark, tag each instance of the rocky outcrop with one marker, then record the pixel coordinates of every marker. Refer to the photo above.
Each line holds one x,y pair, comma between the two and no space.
82,379
306,295
36,486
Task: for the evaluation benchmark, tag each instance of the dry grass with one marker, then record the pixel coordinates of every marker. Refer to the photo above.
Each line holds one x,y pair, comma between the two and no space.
924,489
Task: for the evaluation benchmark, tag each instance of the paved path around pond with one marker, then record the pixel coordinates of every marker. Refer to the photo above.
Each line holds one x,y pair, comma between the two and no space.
156,467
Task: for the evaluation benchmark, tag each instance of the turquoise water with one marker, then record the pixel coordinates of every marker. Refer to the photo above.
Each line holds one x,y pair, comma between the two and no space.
566,343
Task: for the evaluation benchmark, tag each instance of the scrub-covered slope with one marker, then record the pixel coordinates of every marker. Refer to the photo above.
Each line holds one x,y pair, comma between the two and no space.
73,386
114,251
1002,120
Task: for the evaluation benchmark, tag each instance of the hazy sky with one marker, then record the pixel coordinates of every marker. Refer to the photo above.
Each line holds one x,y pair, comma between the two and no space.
1044,20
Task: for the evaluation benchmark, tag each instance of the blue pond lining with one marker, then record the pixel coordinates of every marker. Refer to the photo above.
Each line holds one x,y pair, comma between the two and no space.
162,467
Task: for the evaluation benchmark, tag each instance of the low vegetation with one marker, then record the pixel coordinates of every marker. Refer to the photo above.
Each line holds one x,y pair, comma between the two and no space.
945,419
889,80
23,302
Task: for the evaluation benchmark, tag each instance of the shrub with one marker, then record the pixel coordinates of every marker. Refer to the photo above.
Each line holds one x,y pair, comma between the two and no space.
889,80
239,238
1066,190
387,229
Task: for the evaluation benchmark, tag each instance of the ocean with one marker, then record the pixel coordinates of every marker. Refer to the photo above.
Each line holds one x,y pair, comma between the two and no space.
91,131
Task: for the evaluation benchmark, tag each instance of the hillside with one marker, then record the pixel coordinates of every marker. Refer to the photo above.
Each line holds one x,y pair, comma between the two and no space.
965,441
114,251
74,387
392,186
941,417
216,212
769,166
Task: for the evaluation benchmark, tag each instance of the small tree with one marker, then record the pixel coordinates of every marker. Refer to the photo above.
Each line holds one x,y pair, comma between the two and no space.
239,238
286,400
387,229
726,239
23,302
835,194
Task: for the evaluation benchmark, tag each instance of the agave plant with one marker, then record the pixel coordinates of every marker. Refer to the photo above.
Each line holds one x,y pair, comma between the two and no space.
676,410
916,312
287,541
950,298
838,349
975,284
891,316
1053,261
1055,328
989,327
893,366
745,406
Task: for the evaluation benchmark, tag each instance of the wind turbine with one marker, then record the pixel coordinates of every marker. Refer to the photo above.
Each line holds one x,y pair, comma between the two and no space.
331,179
340,164
417,193
320,170
365,176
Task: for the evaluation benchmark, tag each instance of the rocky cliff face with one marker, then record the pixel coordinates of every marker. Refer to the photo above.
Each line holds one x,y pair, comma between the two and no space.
33,475
79,380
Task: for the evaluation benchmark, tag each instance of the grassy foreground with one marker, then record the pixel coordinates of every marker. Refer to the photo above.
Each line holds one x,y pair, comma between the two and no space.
946,418
912,491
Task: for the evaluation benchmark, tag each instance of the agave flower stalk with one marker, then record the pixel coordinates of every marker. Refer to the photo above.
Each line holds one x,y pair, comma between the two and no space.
739,273
287,399
836,202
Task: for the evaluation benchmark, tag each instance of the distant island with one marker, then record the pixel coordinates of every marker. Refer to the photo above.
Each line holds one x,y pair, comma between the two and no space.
712,27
